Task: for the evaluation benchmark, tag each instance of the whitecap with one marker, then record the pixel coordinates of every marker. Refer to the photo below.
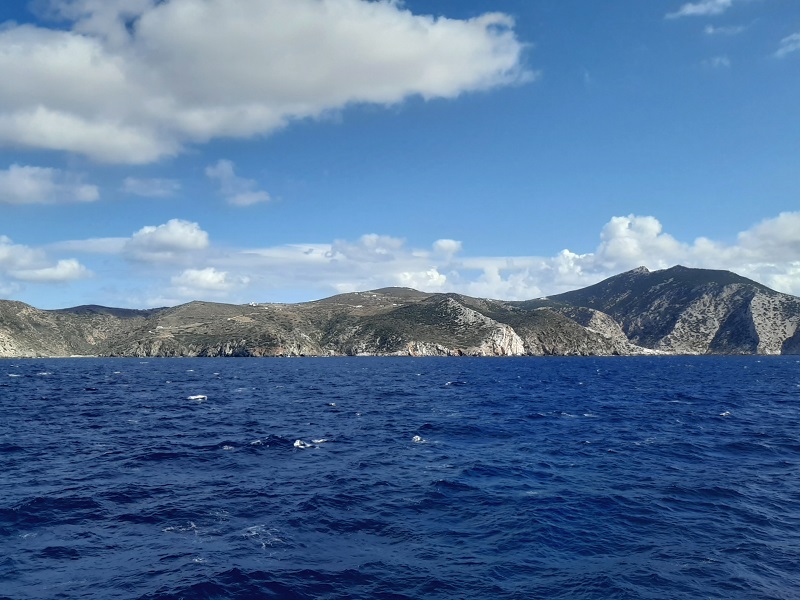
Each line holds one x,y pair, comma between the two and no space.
320,441
228,448
727,413
198,397
418,440
302,444
256,443
14,375
189,527
266,536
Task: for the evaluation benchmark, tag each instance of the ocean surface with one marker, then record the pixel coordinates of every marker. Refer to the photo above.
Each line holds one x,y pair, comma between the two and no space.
373,478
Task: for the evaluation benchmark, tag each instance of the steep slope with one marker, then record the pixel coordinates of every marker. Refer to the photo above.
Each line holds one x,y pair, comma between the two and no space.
693,311
28,331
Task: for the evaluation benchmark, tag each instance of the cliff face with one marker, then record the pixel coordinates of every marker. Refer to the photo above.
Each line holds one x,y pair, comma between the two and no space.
674,311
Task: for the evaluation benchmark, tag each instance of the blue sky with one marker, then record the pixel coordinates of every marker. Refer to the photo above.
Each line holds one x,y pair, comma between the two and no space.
153,153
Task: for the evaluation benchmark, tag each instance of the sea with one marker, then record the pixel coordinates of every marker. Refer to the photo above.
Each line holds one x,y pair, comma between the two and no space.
400,478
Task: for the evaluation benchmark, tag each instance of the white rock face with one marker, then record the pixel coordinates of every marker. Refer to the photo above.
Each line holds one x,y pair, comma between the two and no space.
8,348
772,318
772,321
497,339
502,339
699,323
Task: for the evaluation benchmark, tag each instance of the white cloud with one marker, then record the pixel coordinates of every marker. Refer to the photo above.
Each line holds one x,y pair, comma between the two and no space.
238,191
701,8
151,188
208,279
446,247
768,252
430,280
166,242
205,279
63,271
773,238
23,263
131,81
17,256
789,44
21,184
369,248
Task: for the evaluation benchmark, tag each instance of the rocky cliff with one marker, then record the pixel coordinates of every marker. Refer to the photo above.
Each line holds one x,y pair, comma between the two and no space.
673,311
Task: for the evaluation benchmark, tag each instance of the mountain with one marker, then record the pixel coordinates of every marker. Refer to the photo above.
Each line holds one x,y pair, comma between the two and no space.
672,311
695,311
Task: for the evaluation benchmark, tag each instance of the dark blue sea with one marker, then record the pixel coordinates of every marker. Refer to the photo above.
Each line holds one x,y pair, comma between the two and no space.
378,478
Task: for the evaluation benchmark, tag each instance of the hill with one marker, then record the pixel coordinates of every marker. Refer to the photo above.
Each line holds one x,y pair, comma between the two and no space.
672,311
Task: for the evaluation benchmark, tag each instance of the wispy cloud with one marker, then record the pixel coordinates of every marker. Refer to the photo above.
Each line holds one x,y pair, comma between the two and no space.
701,9
724,30
151,188
789,44
237,191
718,62
21,184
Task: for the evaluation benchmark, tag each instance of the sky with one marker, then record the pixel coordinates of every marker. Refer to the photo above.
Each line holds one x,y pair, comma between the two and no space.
155,152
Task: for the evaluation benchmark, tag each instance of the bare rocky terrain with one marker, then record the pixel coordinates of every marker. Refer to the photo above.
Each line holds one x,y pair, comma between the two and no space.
672,311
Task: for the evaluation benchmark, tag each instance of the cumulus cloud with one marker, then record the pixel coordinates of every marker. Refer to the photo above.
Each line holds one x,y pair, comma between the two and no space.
446,247
203,279
23,263
62,271
768,252
151,188
789,44
237,191
166,242
701,9
20,184
132,81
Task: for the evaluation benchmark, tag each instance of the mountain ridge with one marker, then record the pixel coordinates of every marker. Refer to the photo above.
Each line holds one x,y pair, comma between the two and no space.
679,310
